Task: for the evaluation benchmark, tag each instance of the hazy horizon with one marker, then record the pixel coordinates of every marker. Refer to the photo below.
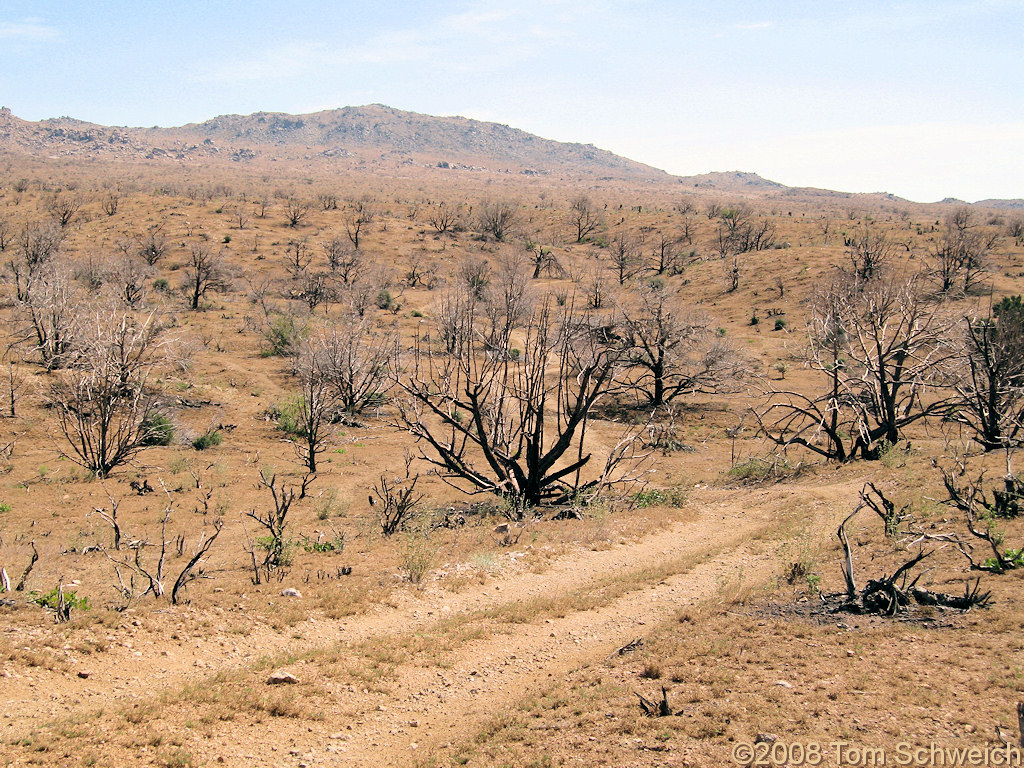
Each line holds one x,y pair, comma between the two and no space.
917,99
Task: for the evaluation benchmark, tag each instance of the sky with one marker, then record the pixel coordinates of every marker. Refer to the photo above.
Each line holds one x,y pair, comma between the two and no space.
922,99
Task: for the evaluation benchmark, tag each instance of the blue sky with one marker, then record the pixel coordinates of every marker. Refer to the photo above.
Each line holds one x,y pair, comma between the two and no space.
921,99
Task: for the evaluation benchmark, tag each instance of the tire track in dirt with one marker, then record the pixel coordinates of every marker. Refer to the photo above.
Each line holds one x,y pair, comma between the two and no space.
427,692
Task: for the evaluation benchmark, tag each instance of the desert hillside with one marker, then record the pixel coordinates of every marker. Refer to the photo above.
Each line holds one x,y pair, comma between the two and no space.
370,438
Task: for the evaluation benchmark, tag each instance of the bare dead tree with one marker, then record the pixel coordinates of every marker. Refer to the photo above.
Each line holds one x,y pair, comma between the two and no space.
110,203
154,574
983,509
315,404
672,352
51,305
514,428
398,499
296,210
63,207
152,246
870,252
127,277
103,402
298,255
497,218
205,271
273,522
37,245
990,376
959,258
584,217
328,200
343,259
357,221
445,217
625,258
356,360
882,350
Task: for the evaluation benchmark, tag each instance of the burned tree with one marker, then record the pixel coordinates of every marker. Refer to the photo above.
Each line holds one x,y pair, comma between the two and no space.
102,402
673,353
991,376
513,427
583,217
958,259
882,351
205,272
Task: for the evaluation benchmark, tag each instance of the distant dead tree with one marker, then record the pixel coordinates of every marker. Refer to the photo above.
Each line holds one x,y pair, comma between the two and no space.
343,259
445,217
666,255
52,308
358,218
357,360
204,272
673,352
869,252
110,203
37,245
153,245
584,217
328,200
298,255
63,207
314,407
103,402
126,276
883,350
625,257
497,218
296,210
959,258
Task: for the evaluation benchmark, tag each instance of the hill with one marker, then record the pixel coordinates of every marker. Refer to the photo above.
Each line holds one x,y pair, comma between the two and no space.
351,132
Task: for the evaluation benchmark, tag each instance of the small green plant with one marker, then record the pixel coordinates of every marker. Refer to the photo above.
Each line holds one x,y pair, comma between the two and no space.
1012,558
514,354
780,324
384,299
227,239
52,600
415,313
324,545
4,507
209,439
754,319
288,416
158,430
417,558
161,284
657,497
282,334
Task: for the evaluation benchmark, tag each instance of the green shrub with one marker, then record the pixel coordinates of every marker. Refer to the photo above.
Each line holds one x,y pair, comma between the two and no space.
161,284
51,600
282,335
384,300
288,416
1013,558
4,507
656,497
209,439
158,430
780,324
